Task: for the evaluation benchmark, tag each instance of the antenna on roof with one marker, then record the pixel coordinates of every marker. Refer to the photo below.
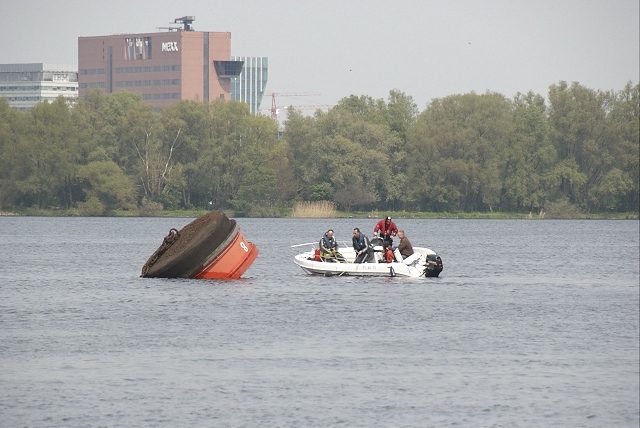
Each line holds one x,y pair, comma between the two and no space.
186,21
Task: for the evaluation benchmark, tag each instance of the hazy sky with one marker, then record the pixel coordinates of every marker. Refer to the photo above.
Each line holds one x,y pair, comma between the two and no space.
427,49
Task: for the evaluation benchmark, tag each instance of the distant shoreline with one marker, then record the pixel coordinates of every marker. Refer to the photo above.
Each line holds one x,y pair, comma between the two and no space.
340,214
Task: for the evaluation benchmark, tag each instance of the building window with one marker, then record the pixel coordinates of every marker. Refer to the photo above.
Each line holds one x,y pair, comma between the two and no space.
139,45
147,47
137,48
128,48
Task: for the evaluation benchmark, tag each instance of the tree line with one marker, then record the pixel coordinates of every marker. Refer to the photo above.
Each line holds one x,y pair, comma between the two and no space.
579,148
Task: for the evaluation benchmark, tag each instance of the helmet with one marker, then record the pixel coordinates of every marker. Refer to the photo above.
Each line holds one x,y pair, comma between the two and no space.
387,218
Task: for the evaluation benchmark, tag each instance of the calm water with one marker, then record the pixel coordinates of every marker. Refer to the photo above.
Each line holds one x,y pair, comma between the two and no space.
532,323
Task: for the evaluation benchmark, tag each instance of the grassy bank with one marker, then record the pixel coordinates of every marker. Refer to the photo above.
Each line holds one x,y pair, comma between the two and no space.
491,216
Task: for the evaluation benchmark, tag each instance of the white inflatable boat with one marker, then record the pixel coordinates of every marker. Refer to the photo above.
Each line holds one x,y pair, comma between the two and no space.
423,263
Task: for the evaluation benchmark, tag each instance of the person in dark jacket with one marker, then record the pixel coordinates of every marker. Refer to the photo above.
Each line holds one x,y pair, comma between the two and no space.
387,230
405,247
329,248
362,247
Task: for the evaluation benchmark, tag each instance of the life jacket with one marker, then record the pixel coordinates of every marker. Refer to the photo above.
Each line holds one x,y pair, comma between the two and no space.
388,255
329,243
360,243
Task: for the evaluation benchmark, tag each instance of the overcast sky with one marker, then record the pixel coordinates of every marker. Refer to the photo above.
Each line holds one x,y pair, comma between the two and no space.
335,48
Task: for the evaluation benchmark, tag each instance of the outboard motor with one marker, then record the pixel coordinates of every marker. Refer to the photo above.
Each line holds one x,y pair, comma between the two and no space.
434,266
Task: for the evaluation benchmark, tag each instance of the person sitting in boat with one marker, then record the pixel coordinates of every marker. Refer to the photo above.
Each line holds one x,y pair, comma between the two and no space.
362,247
329,248
405,247
387,230
389,257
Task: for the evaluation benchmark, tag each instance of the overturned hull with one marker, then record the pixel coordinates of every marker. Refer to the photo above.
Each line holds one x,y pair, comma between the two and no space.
211,247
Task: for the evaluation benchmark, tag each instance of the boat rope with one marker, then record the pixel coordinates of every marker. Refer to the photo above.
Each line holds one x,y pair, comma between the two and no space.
166,244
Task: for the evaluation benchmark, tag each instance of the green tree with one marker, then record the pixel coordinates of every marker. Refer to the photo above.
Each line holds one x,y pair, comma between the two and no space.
528,155
363,106
106,186
158,171
192,120
342,149
581,136
13,130
239,143
353,196
258,191
401,112
625,128
302,137
47,165
454,152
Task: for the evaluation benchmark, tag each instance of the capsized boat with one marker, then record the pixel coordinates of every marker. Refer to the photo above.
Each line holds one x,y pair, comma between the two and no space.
211,247
423,263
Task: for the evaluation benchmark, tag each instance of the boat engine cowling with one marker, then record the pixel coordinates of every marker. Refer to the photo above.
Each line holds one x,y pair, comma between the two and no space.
434,266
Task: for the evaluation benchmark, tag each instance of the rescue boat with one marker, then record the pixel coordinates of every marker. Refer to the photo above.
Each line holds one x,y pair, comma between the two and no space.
423,263
210,247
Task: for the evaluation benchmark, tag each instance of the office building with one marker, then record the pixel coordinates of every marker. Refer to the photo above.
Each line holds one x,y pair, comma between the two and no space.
164,67
249,86
25,85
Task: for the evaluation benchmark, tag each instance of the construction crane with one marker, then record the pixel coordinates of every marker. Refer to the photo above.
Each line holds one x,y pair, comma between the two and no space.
274,107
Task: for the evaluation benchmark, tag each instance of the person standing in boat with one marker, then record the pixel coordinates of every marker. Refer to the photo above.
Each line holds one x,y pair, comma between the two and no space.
362,247
405,247
329,248
387,230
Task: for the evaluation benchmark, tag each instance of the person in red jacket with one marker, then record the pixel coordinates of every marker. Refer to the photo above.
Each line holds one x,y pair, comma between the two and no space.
387,230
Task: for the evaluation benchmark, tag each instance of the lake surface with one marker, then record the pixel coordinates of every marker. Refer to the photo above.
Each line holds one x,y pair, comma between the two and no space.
532,323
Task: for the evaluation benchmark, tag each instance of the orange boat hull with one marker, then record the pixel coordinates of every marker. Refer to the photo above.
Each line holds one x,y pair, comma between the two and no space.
232,262
211,247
